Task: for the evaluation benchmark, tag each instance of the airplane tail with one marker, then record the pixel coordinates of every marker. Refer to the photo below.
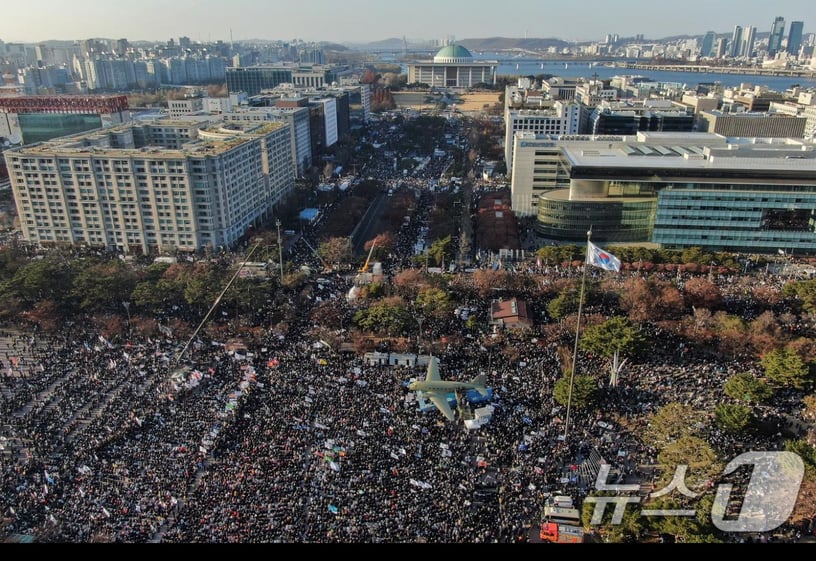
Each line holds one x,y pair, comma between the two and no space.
480,382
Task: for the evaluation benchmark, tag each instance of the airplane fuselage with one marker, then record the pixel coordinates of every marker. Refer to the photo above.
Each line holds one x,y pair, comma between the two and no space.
442,385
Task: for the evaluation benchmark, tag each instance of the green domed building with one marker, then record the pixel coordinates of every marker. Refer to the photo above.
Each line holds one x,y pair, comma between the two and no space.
453,67
452,54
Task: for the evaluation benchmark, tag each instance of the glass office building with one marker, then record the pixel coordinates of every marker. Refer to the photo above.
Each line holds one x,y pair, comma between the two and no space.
740,218
677,190
618,219
39,127
254,79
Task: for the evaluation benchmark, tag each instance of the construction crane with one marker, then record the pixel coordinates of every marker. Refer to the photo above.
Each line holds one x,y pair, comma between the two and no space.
363,276
364,268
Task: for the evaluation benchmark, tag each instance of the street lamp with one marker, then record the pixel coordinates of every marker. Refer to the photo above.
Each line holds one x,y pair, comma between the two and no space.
126,305
280,246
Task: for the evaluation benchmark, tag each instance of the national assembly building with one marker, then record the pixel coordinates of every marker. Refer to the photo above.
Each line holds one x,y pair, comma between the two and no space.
453,67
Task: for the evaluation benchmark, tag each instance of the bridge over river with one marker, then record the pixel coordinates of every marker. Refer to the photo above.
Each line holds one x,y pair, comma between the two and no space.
706,69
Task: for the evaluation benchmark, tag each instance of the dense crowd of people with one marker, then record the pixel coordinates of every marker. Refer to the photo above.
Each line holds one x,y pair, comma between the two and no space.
283,440
266,443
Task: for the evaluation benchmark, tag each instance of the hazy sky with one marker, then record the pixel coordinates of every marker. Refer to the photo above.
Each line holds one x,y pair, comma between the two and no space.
345,21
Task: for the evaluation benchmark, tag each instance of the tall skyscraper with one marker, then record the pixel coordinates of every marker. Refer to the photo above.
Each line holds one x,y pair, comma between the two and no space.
720,47
736,42
777,33
795,37
708,44
748,41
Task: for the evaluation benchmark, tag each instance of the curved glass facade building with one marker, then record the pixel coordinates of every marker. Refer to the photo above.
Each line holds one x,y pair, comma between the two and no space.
677,190
613,219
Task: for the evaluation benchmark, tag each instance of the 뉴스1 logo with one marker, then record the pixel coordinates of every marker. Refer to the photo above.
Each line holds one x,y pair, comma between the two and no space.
768,502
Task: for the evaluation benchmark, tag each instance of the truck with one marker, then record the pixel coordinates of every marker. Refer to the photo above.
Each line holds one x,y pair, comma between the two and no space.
561,521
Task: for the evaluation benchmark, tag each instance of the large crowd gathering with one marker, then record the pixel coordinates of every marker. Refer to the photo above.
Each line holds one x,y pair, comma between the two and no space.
280,439
277,441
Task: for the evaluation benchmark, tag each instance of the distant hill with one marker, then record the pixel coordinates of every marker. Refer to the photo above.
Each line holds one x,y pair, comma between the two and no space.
486,44
473,44
505,43
336,47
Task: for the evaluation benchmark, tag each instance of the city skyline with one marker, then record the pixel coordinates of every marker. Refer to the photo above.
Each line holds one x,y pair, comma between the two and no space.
207,20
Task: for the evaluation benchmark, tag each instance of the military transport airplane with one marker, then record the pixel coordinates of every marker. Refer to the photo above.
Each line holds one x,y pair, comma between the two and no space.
437,389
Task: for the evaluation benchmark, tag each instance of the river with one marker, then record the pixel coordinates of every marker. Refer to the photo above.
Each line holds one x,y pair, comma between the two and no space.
589,69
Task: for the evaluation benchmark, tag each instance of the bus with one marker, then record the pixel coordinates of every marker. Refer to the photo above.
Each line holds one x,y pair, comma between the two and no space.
253,269
561,522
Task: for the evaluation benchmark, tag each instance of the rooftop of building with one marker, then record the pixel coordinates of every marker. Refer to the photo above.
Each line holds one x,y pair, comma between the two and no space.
732,154
686,150
453,51
749,114
286,66
214,139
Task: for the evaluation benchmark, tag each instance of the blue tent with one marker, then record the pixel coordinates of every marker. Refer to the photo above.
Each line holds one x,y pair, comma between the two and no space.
309,214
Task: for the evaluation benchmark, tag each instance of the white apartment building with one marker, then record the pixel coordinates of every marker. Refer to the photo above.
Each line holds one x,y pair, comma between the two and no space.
112,189
181,107
563,118
810,124
217,104
300,132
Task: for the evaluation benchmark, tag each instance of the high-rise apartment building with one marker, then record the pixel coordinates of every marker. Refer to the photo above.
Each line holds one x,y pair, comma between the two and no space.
183,187
748,37
300,131
777,34
721,47
736,42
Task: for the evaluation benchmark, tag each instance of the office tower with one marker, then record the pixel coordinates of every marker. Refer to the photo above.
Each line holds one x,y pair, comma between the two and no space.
795,37
708,44
748,34
777,33
736,42
610,182
43,117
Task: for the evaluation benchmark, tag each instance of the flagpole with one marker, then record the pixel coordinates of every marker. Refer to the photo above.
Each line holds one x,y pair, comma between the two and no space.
577,331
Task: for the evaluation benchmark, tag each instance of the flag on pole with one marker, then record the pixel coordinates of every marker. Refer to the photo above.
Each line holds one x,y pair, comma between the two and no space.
600,258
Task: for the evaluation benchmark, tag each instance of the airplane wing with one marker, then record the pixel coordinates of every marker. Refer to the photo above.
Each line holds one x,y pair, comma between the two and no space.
440,400
433,371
